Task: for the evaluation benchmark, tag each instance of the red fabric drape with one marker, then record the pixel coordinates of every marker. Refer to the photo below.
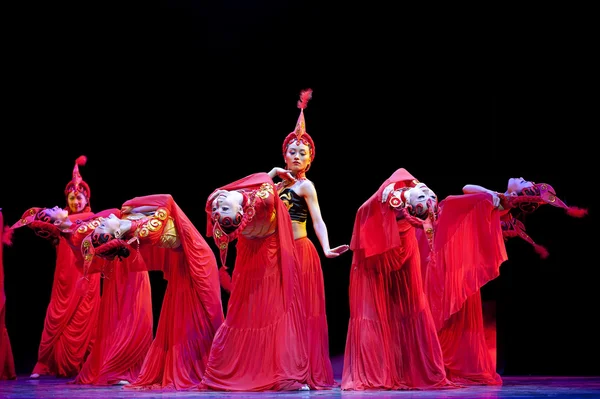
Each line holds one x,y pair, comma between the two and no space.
313,291
70,322
468,251
191,311
124,330
391,342
7,363
262,345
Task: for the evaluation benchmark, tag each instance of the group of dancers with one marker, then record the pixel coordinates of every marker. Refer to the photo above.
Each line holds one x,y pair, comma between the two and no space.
417,268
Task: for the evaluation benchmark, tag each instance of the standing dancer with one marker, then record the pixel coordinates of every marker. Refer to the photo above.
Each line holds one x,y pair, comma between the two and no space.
300,198
70,322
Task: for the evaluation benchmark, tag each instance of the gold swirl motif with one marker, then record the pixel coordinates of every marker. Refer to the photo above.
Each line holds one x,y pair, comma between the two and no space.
264,190
154,224
217,233
86,244
144,232
31,212
286,198
161,213
82,229
94,223
88,257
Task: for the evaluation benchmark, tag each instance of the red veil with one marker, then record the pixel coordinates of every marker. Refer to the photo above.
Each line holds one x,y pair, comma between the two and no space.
284,228
191,311
375,227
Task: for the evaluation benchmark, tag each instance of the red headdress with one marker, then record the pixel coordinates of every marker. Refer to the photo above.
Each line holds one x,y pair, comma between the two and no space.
542,193
77,184
40,223
528,200
299,134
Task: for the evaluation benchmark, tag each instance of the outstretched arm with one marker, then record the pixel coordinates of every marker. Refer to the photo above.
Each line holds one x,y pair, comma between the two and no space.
474,189
310,194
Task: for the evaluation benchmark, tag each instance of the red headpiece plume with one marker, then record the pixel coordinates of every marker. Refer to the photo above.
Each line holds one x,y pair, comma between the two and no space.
299,134
77,184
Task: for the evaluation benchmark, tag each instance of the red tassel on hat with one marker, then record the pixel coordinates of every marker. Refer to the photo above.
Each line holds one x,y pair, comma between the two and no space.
541,250
577,212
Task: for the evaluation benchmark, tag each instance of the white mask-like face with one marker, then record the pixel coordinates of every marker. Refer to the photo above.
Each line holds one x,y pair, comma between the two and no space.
110,225
227,207
516,185
418,200
57,215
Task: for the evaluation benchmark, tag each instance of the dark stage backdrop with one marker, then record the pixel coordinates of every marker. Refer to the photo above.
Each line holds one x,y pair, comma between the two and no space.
179,98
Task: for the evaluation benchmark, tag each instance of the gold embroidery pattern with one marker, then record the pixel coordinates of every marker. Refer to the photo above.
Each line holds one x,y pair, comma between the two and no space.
154,224
161,213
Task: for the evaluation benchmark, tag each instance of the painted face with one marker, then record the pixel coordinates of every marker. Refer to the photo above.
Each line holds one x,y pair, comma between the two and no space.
76,201
109,226
297,156
516,185
227,209
418,200
57,215
428,192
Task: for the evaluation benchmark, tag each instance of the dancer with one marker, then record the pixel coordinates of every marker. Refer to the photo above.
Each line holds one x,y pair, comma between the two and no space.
300,198
7,361
468,252
392,342
192,311
70,322
262,345
124,328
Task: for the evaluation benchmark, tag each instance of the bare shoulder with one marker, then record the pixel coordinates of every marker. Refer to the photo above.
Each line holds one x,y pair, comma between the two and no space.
306,188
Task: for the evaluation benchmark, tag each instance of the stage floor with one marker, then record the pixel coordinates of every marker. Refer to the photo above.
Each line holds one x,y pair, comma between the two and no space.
514,387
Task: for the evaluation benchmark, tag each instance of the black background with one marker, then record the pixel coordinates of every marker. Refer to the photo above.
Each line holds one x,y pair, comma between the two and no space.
180,98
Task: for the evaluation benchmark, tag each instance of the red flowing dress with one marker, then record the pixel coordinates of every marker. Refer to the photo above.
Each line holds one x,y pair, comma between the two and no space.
124,330
70,323
192,310
468,251
313,290
392,342
262,345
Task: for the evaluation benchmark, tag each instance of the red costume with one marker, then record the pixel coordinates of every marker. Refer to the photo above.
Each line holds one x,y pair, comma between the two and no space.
70,322
262,344
124,327
191,310
392,342
311,277
7,362
468,251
